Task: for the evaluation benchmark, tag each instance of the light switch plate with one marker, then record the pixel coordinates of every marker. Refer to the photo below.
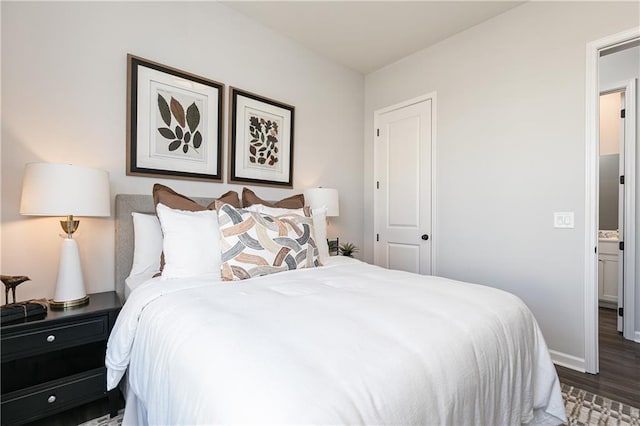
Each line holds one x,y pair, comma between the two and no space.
563,220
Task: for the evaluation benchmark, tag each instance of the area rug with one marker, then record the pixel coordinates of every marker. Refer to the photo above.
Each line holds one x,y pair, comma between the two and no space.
585,408
105,420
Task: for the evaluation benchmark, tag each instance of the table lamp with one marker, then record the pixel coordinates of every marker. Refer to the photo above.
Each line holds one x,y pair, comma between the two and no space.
323,197
66,190
327,198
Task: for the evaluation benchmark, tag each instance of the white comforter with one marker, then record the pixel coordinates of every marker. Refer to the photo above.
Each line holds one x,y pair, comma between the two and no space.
345,343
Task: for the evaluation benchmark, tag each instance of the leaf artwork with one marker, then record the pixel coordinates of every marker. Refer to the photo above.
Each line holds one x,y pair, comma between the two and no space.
164,110
193,117
177,111
263,144
185,134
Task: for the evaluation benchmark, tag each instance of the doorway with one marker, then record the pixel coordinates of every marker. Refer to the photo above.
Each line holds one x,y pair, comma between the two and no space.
404,186
627,214
611,201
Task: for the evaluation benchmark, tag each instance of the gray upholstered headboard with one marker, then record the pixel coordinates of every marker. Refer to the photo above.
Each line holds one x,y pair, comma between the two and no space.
125,205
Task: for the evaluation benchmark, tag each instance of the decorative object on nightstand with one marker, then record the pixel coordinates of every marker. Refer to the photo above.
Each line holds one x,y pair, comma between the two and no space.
10,283
347,249
66,190
17,312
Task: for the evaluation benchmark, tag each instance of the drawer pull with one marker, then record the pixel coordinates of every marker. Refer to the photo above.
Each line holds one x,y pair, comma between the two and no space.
51,338
51,399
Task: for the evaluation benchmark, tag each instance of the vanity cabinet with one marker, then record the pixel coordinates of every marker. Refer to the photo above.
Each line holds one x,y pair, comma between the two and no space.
608,273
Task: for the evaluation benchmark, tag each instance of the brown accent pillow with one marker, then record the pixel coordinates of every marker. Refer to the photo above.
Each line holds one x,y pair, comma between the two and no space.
172,199
294,202
229,197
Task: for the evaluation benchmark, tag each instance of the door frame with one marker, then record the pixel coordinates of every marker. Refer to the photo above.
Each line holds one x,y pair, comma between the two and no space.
376,120
591,362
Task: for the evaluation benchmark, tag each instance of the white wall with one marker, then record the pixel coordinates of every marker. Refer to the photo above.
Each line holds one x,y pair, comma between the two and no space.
618,67
510,152
614,69
610,123
64,100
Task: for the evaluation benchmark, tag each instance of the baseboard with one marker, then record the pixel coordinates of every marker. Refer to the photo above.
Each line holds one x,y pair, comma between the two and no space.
568,361
637,339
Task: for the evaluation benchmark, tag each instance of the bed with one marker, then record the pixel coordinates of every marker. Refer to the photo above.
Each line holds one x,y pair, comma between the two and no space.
344,343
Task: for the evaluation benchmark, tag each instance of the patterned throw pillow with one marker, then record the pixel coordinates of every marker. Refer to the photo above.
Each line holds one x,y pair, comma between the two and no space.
255,244
319,216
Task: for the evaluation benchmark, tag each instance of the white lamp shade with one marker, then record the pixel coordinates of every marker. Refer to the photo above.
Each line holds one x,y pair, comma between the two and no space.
63,189
323,197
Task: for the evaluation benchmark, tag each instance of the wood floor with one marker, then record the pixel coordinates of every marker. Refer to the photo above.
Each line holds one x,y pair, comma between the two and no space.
619,376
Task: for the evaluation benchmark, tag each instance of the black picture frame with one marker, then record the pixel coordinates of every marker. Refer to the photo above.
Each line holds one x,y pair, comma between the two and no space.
261,140
166,138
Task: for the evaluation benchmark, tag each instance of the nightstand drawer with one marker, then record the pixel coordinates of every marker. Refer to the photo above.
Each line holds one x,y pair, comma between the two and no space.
39,401
52,338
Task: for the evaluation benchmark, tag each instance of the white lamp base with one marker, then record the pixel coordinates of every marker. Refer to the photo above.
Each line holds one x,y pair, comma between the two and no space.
70,287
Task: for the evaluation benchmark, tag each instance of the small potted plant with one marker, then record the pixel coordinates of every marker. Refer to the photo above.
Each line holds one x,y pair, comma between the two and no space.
347,249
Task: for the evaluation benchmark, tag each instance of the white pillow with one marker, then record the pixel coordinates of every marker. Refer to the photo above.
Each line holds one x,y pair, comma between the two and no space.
191,242
147,244
319,216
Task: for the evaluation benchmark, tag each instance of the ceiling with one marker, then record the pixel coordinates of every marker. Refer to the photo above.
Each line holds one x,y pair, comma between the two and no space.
367,35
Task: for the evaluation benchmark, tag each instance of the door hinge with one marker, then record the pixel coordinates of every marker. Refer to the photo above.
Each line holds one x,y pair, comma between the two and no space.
377,132
377,184
621,245
377,237
622,180
622,113
620,312
595,249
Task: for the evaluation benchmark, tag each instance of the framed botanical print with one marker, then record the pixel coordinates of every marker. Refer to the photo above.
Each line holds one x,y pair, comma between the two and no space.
260,140
174,122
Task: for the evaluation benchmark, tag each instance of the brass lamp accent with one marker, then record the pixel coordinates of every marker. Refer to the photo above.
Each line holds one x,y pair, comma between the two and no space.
70,304
69,226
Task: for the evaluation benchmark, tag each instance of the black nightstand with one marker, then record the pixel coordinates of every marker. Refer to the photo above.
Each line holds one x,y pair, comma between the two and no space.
56,363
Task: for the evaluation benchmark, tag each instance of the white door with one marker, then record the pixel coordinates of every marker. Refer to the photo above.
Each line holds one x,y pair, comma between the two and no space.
627,211
403,199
